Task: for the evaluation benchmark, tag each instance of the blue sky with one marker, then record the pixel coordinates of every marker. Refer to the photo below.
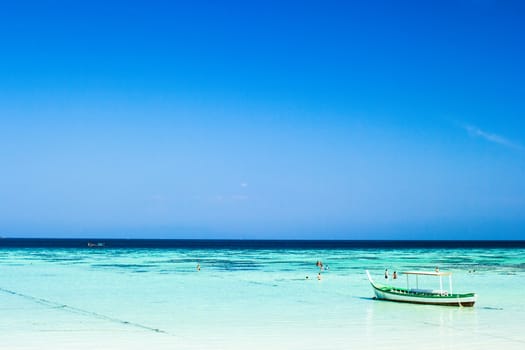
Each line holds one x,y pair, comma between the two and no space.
248,119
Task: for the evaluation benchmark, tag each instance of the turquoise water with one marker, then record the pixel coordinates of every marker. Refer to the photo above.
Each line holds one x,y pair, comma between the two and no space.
248,298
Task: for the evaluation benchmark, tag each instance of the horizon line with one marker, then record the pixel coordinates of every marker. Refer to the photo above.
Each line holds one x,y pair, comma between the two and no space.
263,239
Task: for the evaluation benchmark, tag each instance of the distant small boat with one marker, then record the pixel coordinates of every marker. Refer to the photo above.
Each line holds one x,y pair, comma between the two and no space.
422,296
96,244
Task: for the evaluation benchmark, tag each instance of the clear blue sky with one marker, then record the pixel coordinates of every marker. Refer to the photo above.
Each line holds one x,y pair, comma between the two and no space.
261,119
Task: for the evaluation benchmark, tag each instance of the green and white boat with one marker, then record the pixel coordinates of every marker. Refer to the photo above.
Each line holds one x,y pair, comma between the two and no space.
422,296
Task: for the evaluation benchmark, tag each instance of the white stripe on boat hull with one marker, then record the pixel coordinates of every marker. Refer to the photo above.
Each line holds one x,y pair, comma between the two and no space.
421,300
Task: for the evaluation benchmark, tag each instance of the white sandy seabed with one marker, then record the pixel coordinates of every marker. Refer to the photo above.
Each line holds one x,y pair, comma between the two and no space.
249,300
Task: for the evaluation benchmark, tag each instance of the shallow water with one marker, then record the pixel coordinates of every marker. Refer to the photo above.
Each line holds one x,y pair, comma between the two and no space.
257,298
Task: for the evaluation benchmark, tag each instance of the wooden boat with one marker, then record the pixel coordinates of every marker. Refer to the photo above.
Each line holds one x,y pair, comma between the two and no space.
422,296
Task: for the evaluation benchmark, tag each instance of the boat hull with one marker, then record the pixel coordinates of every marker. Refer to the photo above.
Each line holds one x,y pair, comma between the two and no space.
444,300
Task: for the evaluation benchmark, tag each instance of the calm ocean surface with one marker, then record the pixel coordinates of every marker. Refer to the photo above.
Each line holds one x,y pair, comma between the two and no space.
133,294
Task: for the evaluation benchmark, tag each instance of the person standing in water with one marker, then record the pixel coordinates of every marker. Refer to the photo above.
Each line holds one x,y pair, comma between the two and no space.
394,275
386,274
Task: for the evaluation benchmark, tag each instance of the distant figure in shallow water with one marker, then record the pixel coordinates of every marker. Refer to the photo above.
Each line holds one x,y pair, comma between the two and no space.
437,269
386,274
319,276
198,267
394,275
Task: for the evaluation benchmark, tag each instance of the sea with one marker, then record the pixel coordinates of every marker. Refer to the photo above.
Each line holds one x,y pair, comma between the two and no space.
248,294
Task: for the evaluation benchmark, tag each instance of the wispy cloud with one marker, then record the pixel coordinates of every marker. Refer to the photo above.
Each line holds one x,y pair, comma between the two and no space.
494,138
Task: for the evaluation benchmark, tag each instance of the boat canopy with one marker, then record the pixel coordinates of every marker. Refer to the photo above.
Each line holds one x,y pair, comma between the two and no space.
427,273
